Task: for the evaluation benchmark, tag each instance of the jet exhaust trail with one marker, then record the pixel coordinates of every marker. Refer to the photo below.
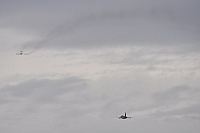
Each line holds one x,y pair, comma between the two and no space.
72,26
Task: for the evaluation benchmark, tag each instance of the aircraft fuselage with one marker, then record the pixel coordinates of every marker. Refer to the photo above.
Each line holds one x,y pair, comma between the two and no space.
124,117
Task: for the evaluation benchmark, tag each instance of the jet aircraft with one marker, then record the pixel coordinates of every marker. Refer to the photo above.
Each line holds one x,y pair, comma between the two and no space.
21,53
124,116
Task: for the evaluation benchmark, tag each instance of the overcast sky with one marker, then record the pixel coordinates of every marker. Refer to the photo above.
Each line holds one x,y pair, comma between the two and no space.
90,61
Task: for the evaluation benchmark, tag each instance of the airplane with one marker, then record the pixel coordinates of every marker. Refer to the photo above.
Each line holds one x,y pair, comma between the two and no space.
21,53
124,116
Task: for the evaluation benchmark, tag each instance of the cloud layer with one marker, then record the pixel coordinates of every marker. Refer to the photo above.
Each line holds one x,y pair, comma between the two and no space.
104,23
94,60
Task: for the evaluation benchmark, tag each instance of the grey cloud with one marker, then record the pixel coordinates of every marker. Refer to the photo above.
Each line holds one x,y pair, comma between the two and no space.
42,90
154,59
177,94
167,103
179,102
172,94
27,102
189,112
108,23
128,29
140,78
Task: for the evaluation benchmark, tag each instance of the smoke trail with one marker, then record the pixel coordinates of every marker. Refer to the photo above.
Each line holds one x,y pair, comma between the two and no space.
72,26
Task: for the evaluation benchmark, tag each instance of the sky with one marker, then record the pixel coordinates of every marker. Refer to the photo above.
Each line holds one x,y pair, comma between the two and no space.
88,62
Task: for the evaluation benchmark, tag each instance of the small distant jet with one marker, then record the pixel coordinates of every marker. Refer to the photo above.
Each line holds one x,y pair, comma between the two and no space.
124,116
21,53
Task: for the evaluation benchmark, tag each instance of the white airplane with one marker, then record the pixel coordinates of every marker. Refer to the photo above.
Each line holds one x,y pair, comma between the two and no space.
124,116
21,53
